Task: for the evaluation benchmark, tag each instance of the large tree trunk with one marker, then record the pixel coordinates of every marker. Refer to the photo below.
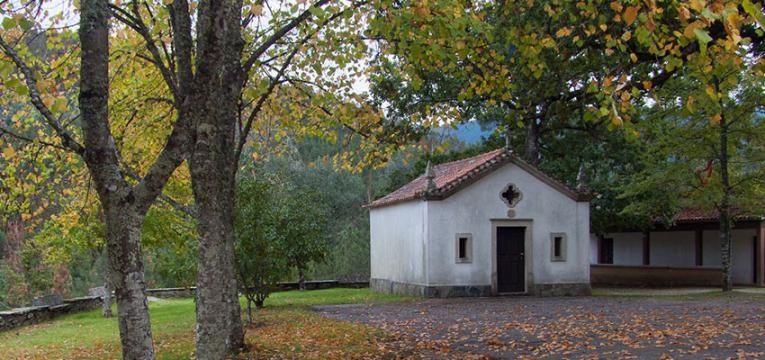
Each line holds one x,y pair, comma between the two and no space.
531,151
213,167
123,219
127,274
219,329
725,209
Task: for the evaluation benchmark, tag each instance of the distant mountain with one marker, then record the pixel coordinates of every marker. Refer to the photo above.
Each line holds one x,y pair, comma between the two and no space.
469,132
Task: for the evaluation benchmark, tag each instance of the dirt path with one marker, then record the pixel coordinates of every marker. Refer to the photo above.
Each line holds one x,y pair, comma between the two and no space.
591,327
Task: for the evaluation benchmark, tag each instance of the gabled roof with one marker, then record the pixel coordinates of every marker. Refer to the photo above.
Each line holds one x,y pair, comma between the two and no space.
452,176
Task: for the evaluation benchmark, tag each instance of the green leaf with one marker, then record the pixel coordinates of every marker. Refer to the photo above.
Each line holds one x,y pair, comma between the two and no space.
9,23
754,11
702,35
704,39
26,24
22,90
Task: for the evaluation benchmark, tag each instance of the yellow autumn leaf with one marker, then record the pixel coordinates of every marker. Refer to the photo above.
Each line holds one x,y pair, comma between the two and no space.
47,101
689,30
689,103
633,57
625,96
715,119
563,32
257,10
711,92
630,14
60,105
698,5
616,120
8,152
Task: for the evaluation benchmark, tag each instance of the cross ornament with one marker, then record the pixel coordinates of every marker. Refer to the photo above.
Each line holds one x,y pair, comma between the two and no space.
511,196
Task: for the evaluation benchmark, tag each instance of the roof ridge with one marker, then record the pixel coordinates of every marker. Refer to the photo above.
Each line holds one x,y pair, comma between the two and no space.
455,175
488,163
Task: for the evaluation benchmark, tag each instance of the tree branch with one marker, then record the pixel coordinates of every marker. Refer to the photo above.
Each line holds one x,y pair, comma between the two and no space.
27,139
276,79
260,50
67,138
182,44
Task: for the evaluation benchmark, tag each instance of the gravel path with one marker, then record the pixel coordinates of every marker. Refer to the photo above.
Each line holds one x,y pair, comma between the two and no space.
585,327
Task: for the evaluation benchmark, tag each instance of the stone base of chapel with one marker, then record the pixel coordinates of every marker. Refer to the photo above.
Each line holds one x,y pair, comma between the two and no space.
444,291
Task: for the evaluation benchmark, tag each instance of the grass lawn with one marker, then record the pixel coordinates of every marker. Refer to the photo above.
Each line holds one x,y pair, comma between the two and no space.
285,328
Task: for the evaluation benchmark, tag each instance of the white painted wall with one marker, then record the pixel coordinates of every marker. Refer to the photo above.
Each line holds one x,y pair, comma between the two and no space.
628,248
594,249
397,242
471,210
677,248
673,248
742,255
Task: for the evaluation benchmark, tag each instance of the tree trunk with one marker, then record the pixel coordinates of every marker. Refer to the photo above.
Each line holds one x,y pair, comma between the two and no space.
106,301
213,168
219,328
531,151
725,209
249,310
127,276
123,220
301,277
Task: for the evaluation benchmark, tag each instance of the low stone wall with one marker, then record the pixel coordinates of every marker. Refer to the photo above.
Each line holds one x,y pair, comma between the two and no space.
186,292
169,293
654,276
323,284
31,315
35,314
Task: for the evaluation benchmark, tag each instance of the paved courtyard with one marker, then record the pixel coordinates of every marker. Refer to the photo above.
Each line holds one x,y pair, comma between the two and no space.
588,327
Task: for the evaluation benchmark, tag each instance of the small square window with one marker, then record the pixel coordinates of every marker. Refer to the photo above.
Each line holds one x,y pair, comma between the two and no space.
558,247
464,248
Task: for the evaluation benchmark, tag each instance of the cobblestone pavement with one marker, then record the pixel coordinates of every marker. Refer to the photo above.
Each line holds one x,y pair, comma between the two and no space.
584,327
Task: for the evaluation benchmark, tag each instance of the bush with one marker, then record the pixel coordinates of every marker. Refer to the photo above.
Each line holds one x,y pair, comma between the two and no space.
260,261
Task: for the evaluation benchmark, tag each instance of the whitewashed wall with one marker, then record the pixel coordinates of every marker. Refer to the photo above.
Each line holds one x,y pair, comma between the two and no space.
628,248
677,248
471,211
594,249
673,248
397,242
743,258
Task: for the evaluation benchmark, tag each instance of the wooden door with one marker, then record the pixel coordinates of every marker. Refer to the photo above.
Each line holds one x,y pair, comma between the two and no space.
511,264
606,253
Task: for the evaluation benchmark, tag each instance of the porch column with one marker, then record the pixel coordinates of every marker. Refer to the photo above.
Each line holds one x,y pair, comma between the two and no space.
760,254
699,247
647,248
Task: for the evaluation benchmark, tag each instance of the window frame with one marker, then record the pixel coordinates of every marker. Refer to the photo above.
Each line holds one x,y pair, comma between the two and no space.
563,246
468,258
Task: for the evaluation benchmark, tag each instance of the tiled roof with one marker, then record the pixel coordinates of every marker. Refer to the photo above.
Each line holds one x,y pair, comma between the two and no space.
452,176
698,215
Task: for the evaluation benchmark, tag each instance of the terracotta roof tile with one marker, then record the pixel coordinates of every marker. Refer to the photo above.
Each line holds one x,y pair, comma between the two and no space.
451,176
